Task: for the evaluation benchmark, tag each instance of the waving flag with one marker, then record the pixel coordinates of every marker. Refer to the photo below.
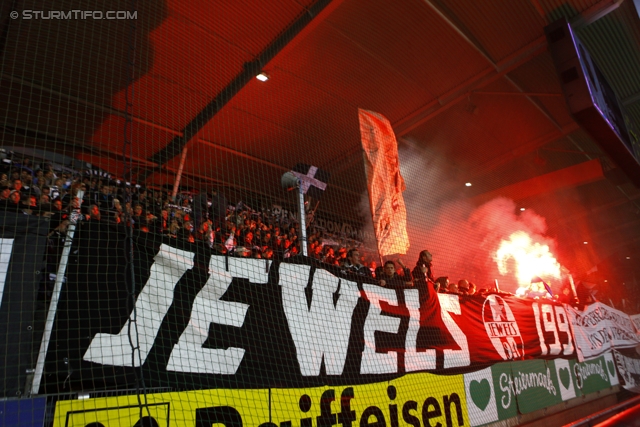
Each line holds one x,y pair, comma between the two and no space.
384,182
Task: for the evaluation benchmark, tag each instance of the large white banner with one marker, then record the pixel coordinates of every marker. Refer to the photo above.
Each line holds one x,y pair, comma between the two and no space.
385,183
599,328
5,255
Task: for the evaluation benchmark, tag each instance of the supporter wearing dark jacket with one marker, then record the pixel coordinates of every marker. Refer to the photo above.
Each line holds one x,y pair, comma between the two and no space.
422,271
104,199
5,191
138,217
218,208
390,279
354,265
423,278
12,203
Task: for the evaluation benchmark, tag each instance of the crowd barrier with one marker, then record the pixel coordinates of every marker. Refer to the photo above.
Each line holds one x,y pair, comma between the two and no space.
244,341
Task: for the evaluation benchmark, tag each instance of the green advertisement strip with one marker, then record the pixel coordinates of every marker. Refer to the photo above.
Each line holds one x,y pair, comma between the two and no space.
481,397
489,394
611,368
567,381
594,374
535,385
505,397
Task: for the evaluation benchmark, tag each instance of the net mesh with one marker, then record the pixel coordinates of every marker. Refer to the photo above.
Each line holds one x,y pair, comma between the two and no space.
312,212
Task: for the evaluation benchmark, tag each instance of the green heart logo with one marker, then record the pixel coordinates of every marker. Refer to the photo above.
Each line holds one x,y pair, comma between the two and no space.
480,393
612,369
565,377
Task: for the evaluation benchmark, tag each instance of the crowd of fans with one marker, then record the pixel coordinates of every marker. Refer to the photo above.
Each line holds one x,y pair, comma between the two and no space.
207,217
231,228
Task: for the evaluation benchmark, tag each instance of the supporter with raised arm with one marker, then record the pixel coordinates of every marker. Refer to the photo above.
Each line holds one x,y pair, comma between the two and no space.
441,284
472,289
375,270
565,296
406,273
328,255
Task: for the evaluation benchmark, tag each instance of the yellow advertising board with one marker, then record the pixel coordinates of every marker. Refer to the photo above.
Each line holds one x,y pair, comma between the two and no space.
417,399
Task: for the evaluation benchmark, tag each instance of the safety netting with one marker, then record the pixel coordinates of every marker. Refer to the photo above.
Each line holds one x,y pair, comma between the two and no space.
297,212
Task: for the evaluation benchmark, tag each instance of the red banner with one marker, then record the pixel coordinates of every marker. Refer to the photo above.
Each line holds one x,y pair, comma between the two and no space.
514,328
473,330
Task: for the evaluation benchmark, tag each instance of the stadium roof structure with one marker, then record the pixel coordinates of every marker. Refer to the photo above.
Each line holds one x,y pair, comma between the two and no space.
471,83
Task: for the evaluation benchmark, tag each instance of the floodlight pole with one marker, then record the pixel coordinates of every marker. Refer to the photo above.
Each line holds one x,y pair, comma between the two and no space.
303,219
55,297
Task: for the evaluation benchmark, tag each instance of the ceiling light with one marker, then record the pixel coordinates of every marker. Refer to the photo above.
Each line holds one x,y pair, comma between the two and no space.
468,184
605,281
628,257
522,209
586,243
263,77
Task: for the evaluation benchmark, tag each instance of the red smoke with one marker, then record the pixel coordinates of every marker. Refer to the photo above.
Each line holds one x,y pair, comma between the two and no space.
462,238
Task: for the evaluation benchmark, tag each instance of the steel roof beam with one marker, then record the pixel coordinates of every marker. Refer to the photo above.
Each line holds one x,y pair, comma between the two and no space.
569,177
500,68
316,13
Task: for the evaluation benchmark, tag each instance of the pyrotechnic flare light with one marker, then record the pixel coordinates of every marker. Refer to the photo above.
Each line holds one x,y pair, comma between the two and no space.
531,258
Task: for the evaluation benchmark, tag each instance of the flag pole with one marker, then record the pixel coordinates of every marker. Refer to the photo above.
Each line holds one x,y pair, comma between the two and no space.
55,297
573,286
303,219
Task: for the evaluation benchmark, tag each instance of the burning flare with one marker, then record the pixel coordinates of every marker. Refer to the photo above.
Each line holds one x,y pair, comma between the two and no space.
531,258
